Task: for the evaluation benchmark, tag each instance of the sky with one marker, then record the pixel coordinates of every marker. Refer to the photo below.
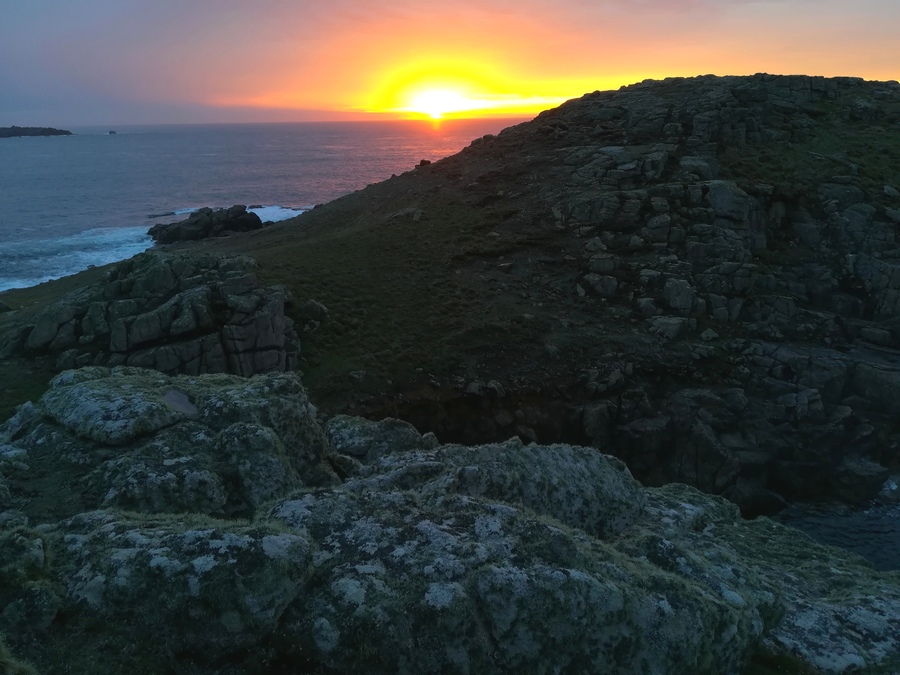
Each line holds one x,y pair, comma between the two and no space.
105,62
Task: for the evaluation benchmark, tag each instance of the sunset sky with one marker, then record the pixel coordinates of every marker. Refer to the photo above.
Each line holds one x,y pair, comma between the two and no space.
149,61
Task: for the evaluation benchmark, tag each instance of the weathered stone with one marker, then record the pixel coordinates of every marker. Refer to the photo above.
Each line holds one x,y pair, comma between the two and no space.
729,201
48,325
604,286
679,295
470,551
205,223
670,327
174,320
857,479
371,440
705,168
604,263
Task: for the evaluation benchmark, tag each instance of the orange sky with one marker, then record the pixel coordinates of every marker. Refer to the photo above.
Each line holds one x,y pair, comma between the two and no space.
232,60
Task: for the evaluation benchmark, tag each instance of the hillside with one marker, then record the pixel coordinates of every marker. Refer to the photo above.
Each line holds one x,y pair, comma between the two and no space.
696,275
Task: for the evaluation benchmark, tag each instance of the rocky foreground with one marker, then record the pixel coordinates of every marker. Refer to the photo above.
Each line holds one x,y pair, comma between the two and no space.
211,524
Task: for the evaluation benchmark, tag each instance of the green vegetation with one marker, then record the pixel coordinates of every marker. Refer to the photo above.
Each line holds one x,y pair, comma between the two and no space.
9,665
839,142
764,662
25,379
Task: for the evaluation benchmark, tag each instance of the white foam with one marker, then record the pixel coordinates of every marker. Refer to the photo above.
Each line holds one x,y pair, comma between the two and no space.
271,214
275,214
34,261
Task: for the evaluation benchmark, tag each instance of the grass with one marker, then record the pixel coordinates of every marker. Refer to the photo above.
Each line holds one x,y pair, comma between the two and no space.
9,665
25,379
764,662
834,143
401,293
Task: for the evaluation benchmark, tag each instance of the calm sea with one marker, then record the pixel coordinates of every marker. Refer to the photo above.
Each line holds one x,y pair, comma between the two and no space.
72,201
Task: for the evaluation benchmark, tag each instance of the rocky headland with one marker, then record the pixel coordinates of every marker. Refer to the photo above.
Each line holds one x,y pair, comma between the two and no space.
17,132
692,278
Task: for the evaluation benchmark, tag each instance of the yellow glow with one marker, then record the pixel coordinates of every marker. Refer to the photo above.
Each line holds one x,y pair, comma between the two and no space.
440,103
437,88
482,57
437,102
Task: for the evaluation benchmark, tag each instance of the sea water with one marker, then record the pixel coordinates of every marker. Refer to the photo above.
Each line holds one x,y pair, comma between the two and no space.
69,202
871,531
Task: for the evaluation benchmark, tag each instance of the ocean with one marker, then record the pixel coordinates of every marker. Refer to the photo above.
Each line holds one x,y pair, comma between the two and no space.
871,531
69,202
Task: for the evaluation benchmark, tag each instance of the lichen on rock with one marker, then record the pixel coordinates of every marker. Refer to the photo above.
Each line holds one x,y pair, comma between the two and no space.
243,549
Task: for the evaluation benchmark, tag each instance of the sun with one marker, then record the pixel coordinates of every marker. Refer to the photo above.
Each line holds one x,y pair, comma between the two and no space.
438,102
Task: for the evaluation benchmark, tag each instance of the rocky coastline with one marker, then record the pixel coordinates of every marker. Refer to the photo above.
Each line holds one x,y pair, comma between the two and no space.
206,222
18,132
689,282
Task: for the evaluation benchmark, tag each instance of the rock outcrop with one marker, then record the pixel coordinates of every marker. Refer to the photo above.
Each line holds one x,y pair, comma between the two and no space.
206,222
420,558
175,313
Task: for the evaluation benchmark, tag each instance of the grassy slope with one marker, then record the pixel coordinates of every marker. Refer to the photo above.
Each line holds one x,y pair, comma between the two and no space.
461,292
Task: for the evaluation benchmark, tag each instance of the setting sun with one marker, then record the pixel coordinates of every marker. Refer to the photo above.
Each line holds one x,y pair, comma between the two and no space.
437,102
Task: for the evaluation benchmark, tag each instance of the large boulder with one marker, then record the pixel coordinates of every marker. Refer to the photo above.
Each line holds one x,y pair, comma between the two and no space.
176,313
137,439
207,222
427,558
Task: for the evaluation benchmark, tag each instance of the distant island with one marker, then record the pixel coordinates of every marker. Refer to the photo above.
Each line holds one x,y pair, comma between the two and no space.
15,132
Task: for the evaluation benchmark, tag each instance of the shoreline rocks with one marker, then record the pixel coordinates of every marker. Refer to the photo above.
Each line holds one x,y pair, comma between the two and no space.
406,556
175,313
206,222
19,132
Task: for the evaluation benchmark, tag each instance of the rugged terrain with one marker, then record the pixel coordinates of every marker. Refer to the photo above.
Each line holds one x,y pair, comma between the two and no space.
696,275
212,525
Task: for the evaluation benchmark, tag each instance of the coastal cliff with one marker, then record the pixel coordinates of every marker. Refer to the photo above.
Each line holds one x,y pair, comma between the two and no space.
694,275
691,281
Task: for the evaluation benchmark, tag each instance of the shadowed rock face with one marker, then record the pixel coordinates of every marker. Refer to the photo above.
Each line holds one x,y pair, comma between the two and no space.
173,313
421,558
